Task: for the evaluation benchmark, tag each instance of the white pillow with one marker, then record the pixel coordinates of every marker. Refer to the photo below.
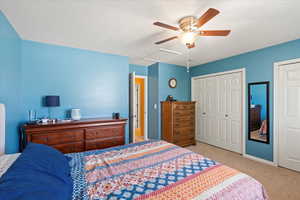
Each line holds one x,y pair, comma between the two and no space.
6,161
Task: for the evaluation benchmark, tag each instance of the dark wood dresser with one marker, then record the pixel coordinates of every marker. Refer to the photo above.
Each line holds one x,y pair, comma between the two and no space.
178,122
77,136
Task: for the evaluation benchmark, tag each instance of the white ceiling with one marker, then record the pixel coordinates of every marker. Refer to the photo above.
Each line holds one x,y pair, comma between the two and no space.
124,27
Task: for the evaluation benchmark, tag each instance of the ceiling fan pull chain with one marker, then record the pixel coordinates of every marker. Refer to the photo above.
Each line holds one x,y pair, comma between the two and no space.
188,61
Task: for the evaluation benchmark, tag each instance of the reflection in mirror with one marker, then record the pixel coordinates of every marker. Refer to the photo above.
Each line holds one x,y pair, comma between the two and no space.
258,109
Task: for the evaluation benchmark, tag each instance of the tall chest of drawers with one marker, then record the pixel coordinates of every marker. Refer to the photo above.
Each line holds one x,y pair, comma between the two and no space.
77,136
178,122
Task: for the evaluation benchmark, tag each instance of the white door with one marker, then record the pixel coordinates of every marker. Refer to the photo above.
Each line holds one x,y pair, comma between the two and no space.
219,110
202,96
132,107
210,111
223,100
197,91
233,113
289,116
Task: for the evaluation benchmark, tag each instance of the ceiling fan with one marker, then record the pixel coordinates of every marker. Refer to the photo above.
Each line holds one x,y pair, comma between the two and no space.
189,28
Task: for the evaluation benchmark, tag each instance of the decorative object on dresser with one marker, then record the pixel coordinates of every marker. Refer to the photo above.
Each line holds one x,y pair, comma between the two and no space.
76,136
75,114
170,98
178,122
32,116
116,115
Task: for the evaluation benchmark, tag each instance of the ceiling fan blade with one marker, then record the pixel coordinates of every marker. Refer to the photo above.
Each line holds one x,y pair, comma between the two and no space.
210,13
215,33
190,45
166,40
166,26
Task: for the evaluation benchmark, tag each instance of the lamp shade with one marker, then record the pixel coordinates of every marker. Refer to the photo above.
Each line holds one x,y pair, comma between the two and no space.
52,101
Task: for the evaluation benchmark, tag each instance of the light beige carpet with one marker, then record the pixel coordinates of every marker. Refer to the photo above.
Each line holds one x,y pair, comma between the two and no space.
280,183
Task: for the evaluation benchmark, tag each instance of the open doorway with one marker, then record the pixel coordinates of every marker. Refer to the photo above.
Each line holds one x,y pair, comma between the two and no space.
138,104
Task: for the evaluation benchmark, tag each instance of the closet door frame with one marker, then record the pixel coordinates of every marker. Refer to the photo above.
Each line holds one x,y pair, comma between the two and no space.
243,120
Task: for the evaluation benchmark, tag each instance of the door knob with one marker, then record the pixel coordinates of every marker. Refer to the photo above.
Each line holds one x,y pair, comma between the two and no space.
204,113
226,115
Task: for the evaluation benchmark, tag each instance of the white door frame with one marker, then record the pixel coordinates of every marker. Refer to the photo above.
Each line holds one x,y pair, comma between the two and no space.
132,114
146,105
243,71
276,69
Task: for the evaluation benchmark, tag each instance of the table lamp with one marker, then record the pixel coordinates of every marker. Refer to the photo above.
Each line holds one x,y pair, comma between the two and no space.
51,101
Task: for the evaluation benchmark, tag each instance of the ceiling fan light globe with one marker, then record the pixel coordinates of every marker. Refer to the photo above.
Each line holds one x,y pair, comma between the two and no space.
188,37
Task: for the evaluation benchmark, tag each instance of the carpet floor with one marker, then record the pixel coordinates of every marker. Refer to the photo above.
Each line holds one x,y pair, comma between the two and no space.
280,183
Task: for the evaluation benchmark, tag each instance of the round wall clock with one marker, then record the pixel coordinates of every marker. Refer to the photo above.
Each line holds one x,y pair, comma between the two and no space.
172,83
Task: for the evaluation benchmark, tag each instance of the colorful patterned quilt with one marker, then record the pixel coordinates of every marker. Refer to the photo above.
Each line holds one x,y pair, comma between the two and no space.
157,170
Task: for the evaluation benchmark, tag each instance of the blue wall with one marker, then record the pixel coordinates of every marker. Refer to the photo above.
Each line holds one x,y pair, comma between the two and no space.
259,67
182,92
158,83
10,76
138,69
96,83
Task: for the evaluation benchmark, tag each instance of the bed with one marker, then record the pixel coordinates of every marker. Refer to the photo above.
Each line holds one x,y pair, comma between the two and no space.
156,170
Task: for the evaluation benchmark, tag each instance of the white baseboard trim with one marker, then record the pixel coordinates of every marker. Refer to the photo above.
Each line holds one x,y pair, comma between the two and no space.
260,160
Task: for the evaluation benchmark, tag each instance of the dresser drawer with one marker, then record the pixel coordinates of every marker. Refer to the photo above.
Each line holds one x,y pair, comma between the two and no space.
104,143
182,124
184,143
184,131
184,112
104,132
179,118
179,138
69,147
184,106
58,137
